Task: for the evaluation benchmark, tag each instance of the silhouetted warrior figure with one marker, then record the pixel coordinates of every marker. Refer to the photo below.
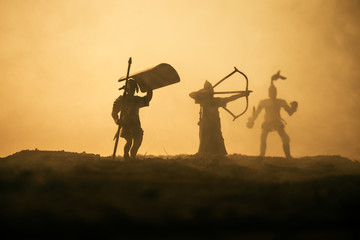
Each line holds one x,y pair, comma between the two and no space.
211,139
131,128
273,120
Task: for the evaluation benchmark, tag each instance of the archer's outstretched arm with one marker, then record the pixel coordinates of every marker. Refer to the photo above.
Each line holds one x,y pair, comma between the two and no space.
193,95
236,96
200,95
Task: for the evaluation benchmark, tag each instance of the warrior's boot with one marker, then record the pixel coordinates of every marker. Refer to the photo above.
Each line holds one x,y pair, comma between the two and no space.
262,149
286,148
126,157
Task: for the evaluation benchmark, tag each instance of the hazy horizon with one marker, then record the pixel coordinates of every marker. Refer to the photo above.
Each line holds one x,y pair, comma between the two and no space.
60,61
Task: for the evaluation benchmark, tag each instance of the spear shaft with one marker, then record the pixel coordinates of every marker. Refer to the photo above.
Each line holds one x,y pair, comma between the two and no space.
117,134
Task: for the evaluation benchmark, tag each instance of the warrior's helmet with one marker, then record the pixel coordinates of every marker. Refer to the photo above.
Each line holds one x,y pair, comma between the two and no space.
272,88
132,85
208,86
272,91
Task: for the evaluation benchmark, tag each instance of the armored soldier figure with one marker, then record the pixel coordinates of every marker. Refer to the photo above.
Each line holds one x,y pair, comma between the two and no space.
273,120
211,139
131,129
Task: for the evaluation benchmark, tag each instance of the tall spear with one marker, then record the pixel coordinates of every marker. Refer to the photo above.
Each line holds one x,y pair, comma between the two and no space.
117,134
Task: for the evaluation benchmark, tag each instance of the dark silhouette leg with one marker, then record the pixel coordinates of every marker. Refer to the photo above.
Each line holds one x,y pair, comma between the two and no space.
136,145
127,147
264,135
286,142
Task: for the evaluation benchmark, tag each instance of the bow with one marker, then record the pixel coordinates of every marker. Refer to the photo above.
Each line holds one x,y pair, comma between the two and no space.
229,92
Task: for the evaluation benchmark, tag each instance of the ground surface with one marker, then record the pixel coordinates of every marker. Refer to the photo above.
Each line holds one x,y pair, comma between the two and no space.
72,195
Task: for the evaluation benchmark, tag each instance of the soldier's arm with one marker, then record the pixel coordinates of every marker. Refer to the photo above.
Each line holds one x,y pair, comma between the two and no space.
144,101
199,96
116,109
149,95
290,109
202,93
236,96
193,95
258,110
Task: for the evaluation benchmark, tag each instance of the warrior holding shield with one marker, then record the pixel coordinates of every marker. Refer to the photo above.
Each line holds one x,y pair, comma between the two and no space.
131,129
273,120
128,104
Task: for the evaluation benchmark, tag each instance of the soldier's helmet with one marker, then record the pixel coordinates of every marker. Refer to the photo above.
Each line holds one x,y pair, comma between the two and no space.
272,91
208,86
132,85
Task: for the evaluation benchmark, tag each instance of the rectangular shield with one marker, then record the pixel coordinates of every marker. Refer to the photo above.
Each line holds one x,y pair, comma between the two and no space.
156,77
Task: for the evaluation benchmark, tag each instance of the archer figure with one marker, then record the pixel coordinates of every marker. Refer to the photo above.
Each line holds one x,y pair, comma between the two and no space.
273,120
211,139
130,122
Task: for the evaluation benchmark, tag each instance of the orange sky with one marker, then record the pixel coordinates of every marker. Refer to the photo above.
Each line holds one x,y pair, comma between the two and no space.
60,61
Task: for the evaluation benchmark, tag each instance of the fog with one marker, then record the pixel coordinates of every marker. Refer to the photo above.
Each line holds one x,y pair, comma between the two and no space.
60,61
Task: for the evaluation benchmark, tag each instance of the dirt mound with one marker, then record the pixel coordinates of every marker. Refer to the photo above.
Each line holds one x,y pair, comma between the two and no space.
182,167
57,193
